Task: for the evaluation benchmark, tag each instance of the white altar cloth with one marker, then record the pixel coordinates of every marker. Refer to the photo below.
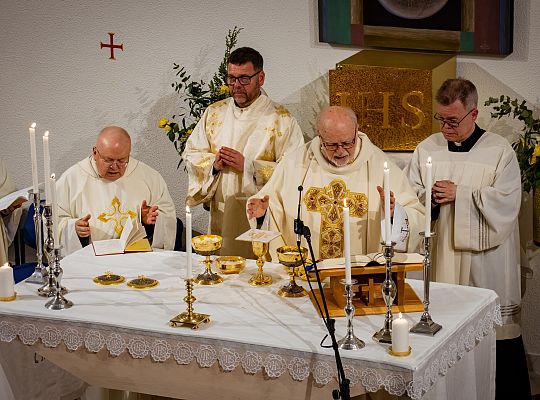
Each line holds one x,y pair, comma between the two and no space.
255,331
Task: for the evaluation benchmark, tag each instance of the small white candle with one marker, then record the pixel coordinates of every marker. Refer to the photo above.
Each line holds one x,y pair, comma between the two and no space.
347,242
46,167
387,225
7,283
400,335
54,209
33,157
428,185
188,244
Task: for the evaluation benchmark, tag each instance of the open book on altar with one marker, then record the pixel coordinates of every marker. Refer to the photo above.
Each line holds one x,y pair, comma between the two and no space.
14,199
133,238
362,260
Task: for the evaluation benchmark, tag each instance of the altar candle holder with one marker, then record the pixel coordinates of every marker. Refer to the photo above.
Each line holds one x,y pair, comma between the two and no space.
39,275
426,326
350,341
189,318
384,335
58,301
47,289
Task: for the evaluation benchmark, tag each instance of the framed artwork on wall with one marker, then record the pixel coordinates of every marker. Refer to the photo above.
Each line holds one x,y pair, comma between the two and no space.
456,26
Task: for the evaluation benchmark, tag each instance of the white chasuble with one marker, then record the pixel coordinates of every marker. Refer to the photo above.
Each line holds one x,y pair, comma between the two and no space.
477,236
325,187
80,191
263,132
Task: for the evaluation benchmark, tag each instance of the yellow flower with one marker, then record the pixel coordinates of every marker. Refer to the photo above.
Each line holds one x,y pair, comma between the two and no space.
163,122
223,89
167,128
189,131
536,153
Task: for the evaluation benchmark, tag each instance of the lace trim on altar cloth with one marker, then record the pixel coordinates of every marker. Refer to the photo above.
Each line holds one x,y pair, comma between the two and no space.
252,359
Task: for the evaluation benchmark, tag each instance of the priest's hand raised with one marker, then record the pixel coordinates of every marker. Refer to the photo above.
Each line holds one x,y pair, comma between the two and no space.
232,158
256,208
392,200
148,213
82,226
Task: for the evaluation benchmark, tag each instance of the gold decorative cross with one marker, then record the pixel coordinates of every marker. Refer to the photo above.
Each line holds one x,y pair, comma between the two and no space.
117,216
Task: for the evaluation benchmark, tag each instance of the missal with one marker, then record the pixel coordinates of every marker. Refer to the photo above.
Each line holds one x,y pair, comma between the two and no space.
133,238
14,199
362,260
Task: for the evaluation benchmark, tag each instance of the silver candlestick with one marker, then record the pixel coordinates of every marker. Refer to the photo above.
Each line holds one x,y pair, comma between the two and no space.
47,289
40,273
350,341
384,335
58,301
426,325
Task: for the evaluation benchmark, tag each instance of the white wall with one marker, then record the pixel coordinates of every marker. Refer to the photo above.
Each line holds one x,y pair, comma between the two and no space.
53,72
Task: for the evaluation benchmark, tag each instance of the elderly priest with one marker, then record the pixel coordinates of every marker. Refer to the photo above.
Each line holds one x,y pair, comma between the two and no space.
97,195
340,163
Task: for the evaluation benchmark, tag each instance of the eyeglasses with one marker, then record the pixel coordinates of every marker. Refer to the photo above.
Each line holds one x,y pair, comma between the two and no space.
122,163
334,146
451,124
244,79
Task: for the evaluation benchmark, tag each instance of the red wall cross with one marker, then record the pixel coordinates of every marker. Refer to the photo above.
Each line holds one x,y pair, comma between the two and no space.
112,46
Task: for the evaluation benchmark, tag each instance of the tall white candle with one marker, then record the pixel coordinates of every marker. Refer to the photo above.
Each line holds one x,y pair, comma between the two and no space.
33,157
347,242
188,244
7,283
54,209
428,185
46,167
387,225
400,335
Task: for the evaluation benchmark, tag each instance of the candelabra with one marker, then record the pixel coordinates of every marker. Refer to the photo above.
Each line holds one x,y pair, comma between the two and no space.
58,301
40,273
47,289
189,318
350,341
426,325
384,335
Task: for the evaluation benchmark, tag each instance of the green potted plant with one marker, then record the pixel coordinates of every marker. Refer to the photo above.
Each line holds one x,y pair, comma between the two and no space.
527,148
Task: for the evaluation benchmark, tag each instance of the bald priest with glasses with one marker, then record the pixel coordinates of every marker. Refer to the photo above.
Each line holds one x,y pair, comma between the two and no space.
235,147
476,198
339,164
98,194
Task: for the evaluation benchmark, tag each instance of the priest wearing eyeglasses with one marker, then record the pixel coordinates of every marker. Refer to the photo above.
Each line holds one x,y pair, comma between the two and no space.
476,198
235,147
340,164
98,194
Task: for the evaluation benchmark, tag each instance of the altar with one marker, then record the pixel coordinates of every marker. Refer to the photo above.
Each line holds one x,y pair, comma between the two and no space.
257,344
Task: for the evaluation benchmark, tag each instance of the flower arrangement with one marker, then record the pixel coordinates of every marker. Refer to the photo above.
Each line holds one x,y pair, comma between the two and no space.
198,95
527,147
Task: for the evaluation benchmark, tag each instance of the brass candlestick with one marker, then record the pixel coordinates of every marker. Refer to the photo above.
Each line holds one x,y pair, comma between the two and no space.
426,326
39,275
260,249
291,258
188,318
207,245
389,291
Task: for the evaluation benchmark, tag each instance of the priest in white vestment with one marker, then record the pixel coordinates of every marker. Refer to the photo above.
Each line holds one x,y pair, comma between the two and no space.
9,217
476,197
340,163
98,194
235,147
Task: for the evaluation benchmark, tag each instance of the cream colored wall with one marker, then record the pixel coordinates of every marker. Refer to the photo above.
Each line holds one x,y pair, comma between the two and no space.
53,72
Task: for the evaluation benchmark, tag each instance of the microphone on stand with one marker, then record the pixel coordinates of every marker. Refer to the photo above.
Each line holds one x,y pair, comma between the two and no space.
298,223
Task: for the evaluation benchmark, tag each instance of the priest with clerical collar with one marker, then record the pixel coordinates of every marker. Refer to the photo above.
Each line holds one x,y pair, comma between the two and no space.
98,194
340,163
476,198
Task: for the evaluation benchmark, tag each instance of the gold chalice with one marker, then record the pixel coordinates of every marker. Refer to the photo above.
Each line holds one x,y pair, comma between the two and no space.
207,245
291,258
260,249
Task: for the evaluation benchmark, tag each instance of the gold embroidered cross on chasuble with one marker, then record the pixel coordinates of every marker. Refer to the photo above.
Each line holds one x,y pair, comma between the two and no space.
328,201
117,215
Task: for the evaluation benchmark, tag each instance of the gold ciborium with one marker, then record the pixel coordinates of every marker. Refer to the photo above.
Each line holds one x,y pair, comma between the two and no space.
207,245
291,258
260,249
